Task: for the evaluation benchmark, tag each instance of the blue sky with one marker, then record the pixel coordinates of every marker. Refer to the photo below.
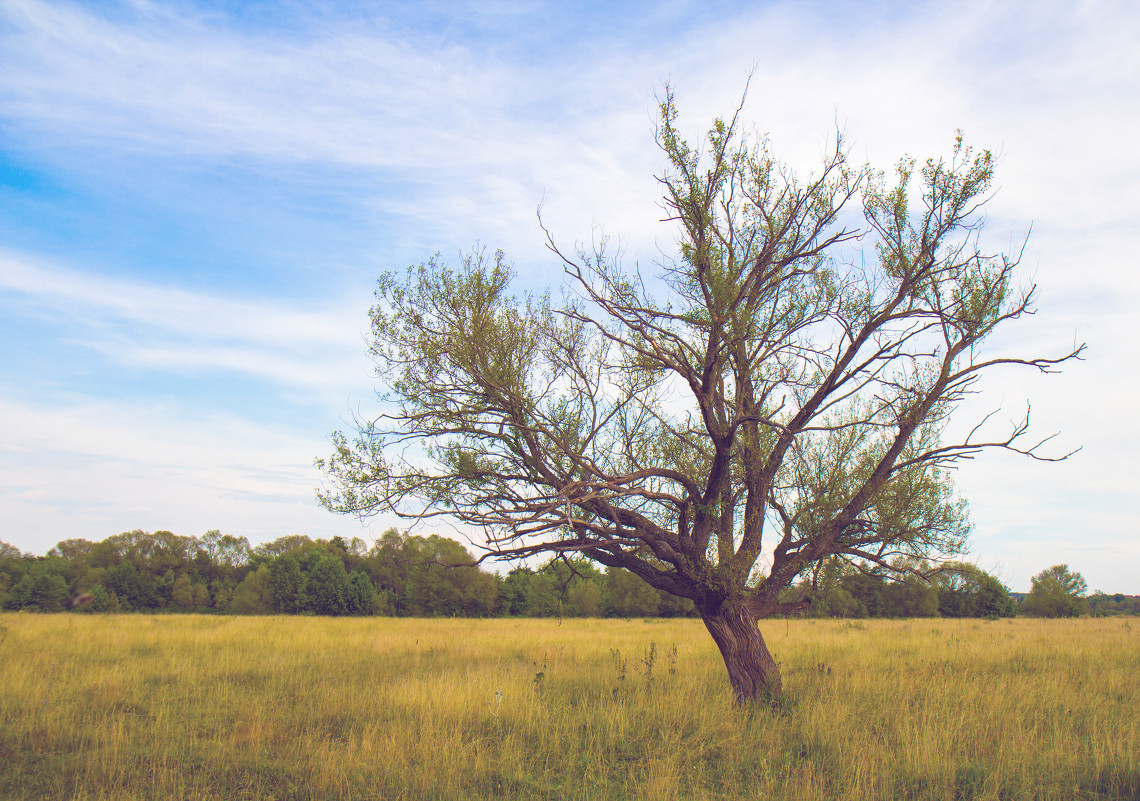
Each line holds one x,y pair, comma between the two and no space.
196,199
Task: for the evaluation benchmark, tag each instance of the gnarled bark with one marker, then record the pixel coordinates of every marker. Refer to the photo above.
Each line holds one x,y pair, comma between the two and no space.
752,671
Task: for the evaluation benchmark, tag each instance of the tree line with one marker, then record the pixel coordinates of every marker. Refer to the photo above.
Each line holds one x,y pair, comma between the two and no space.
400,574
433,576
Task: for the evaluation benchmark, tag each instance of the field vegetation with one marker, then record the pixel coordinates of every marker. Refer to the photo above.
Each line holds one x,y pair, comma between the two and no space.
202,707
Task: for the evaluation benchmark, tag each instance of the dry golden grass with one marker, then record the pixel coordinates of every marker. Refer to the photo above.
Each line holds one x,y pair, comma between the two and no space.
194,707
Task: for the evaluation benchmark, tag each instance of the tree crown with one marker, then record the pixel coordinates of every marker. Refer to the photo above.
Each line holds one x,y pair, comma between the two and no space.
776,397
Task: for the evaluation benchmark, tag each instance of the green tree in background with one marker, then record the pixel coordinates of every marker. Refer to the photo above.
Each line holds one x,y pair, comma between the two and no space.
965,590
512,592
584,599
443,579
626,595
361,596
41,589
287,585
580,586
542,596
253,596
182,593
917,597
991,598
327,587
1057,592
135,589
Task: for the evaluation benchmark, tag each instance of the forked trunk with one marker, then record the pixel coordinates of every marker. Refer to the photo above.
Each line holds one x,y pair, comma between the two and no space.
751,669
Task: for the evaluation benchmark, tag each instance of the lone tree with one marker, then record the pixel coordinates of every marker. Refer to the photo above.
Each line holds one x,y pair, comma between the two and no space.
1057,592
775,395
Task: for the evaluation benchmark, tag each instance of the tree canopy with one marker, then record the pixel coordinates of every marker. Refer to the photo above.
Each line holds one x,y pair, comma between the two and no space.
775,395
1057,592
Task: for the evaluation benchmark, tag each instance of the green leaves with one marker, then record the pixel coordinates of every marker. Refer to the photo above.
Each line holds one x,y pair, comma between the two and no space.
456,329
1057,592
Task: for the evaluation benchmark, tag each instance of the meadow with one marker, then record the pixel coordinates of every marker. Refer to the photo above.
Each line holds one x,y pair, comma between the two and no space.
202,707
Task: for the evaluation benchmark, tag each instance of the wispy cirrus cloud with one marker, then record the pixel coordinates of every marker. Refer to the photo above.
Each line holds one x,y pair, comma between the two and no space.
176,330
87,468
184,83
461,134
452,135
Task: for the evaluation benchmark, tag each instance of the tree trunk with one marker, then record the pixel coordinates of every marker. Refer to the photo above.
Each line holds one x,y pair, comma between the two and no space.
751,669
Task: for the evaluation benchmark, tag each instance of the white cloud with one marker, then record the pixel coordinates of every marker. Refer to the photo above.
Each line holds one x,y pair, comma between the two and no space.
208,317
177,330
90,469
475,141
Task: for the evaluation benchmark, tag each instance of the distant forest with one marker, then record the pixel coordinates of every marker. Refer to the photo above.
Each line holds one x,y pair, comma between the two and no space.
425,576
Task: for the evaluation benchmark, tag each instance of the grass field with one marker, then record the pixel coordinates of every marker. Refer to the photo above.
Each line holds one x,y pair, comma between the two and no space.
196,707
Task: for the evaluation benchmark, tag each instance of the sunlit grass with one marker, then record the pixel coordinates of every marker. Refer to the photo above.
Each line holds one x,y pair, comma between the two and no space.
123,707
